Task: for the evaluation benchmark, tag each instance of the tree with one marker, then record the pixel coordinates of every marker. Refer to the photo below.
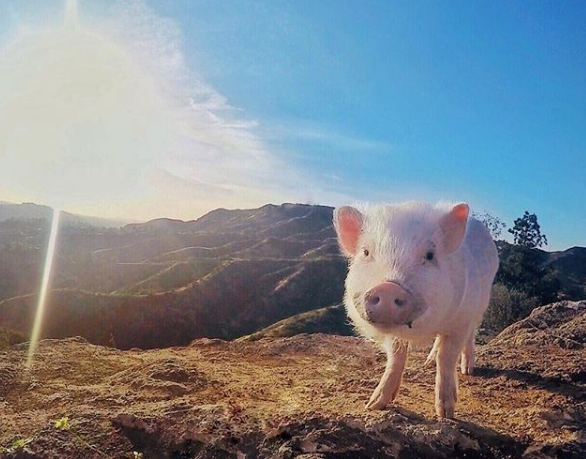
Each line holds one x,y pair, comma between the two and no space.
526,270
527,232
494,224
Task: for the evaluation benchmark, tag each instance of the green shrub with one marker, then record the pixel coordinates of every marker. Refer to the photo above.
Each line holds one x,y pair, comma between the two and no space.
507,305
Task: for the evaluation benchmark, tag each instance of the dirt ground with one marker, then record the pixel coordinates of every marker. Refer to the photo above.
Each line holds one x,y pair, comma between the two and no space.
292,397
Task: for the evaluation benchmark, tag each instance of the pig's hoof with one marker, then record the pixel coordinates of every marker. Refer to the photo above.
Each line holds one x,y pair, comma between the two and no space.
466,367
378,401
376,405
445,411
383,395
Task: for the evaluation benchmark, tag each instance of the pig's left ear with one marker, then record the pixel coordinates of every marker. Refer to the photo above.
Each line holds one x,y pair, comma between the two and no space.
348,224
453,227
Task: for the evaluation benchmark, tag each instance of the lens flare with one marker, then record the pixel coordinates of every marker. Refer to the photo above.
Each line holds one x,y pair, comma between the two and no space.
41,305
71,19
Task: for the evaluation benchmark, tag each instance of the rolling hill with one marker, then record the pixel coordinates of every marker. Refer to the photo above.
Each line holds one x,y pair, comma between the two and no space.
331,320
166,282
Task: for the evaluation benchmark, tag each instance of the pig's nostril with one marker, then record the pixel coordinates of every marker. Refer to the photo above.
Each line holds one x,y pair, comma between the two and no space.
372,300
399,302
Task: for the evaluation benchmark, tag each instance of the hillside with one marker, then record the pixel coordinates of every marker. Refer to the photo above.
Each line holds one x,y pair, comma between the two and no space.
164,283
571,268
331,320
300,397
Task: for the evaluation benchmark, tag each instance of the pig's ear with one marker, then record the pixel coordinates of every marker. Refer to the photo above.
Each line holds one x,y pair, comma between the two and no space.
453,227
348,224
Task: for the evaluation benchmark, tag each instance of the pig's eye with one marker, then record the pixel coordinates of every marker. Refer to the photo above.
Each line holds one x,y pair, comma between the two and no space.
429,256
365,252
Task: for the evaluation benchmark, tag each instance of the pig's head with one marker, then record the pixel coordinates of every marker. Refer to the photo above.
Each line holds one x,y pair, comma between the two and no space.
401,261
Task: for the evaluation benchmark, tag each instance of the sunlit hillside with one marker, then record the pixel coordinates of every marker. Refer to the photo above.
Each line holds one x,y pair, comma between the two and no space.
166,282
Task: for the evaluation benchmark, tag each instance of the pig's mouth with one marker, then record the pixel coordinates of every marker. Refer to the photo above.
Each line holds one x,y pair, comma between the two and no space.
397,315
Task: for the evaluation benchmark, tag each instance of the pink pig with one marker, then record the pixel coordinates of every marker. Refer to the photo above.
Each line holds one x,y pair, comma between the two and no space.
417,272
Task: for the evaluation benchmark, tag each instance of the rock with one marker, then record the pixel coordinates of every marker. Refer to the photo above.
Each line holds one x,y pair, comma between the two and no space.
170,371
548,353
563,324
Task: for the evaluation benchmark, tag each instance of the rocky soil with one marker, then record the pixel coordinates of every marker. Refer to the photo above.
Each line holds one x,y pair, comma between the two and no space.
299,397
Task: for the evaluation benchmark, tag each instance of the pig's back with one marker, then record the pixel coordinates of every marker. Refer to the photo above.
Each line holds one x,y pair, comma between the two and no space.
483,254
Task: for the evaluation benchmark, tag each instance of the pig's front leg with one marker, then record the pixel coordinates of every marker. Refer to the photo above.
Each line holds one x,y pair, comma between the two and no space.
388,387
446,382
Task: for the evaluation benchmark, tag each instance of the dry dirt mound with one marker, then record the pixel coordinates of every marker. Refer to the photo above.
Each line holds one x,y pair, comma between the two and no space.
299,397
563,324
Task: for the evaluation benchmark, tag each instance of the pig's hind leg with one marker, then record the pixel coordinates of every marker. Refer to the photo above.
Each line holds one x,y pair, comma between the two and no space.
446,380
388,387
467,362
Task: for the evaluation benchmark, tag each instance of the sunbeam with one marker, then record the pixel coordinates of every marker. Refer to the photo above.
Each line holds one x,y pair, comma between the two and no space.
41,305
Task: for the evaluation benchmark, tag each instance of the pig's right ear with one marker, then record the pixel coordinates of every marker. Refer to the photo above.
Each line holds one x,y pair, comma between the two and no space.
453,227
348,224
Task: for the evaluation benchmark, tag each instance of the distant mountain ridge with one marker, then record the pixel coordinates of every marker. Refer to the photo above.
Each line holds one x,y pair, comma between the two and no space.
29,210
269,219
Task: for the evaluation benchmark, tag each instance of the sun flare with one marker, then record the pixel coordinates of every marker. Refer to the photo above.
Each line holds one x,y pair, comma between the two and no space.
43,294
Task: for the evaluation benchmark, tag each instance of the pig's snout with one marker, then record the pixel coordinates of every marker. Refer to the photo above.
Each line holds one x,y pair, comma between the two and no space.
388,304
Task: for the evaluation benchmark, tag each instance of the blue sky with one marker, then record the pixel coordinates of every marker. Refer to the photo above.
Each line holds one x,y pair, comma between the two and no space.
479,101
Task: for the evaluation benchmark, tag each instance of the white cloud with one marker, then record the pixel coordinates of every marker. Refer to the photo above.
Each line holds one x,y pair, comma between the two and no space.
112,121
339,141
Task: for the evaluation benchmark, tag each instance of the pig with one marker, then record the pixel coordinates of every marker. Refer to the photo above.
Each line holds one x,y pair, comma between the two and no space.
417,272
